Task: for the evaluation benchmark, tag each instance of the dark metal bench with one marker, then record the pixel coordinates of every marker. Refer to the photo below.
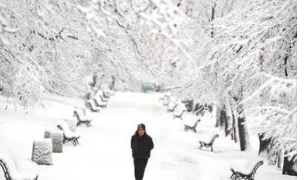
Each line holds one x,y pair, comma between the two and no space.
91,105
248,173
103,99
210,143
11,172
173,108
106,95
69,136
179,115
99,104
81,118
193,128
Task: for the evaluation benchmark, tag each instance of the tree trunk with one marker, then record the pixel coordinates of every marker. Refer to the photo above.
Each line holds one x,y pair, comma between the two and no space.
289,167
94,81
225,121
280,158
190,106
218,117
234,132
112,86
196,107
285,64
212,19
264,145
266,150
242,128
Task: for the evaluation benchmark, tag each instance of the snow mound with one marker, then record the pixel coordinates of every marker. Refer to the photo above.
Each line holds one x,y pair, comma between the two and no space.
42,152
57,140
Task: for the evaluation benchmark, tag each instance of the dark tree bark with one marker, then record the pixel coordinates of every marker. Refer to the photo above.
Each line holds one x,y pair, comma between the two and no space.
280,158
242,128
243,136
218,116
112,86
94,81
225,121
264,145
234,133
285,64
189,105
198,109
289,167
221,118
210,108
212,19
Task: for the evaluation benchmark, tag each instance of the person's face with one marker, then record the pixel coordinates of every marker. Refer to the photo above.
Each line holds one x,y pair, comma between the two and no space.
141,131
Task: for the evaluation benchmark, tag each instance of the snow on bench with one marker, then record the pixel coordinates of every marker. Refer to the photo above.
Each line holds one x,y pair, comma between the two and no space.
11,171
99,103
91,105
69,136
171,109
209,143
107,91
193,128
82,118
248,171
179,114
102,96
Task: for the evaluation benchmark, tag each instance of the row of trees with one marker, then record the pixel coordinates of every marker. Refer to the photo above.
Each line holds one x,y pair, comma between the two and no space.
239,55
248,69
56,46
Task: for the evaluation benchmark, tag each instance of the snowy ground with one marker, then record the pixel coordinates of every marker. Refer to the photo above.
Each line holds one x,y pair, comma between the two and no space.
104,151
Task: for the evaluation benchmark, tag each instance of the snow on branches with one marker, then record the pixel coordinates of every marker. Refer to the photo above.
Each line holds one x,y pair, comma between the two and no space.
252,58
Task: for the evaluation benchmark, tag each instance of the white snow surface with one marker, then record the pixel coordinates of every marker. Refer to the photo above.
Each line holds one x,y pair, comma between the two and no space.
104,151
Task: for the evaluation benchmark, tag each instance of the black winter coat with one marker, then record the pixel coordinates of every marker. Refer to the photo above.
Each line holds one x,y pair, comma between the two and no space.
141,146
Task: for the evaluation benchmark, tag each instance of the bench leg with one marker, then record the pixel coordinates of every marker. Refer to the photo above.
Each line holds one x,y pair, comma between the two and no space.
77,141
7,176
234,176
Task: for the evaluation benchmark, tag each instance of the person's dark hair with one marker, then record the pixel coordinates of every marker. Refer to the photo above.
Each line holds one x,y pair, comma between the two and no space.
142,126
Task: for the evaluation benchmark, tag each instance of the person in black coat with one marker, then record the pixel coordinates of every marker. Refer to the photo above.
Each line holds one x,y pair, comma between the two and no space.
141,144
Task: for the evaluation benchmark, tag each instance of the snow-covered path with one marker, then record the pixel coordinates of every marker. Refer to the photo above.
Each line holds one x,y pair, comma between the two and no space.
104,151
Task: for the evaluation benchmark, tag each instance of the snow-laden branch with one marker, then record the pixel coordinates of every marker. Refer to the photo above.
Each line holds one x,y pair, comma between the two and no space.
283,80
271,108
258,91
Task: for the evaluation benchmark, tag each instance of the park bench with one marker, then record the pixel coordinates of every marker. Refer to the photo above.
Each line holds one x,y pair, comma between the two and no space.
91,105
166,102
163,97
248,172
200,110
179,115
11,172
100,93
107,91
69,136
172,109
102,97
99,103
209,143
81,117
193,128
106,95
